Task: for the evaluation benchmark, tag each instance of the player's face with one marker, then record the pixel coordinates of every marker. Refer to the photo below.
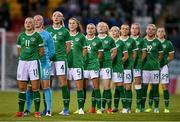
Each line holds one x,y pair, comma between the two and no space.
29,24
91,29
101,28
72,25
161,33
38,21
124,30
135,30
151,30
57,17
114,32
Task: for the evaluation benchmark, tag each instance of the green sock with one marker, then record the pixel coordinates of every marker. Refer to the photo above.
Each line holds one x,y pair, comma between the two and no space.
36,98
129,98
104,99
80,96
155,88
116,98
150,102
138,98
45,105
66,96
144,95
109,98
93,101
21,101
84,90
98,98
166,98
122,96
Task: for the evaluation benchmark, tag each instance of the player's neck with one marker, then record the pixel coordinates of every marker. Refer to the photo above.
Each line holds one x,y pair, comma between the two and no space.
57,26
134,36
38,29
124,38
29,32
102,35
73,32
150,38
90,36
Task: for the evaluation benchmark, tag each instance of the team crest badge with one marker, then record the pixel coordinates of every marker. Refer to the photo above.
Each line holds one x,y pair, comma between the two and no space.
77,39
137,43
32,39
106,42
128,44
94,43
154,44
117,45
59,33
164,46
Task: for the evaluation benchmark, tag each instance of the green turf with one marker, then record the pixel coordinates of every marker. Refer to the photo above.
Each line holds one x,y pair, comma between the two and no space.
8,107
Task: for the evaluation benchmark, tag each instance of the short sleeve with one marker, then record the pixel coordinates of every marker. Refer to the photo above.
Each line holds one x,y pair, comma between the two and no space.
18,43
171,48
113,45
160,48
67,36
134,46
100,46
40,41
84,43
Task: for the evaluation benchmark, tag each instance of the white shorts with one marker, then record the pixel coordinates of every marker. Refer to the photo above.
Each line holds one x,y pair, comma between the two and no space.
28,69
136,73
90,74
128,76
151,77
105,73
75,74
117,77
58,68
165,75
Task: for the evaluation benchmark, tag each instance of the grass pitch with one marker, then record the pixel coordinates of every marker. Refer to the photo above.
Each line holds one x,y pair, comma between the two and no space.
8,107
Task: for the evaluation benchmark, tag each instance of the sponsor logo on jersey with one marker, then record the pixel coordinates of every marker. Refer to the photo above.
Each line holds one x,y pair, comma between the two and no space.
77,39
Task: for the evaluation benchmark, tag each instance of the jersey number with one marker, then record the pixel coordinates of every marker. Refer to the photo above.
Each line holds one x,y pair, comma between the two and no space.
27,43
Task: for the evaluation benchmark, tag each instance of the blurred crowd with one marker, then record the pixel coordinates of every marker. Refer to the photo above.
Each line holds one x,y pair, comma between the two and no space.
114,12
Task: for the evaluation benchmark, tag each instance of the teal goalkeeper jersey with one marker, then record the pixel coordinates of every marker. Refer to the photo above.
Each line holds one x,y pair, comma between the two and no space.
94,45
75,57
108,45
60,38
167,48
141,45
154,47
117,62
131,46
30,45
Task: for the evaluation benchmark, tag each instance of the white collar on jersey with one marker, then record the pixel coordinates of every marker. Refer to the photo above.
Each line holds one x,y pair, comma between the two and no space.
161,40
90,38
150,39
30,33
57,28
102,37
74,34
124,39
135,37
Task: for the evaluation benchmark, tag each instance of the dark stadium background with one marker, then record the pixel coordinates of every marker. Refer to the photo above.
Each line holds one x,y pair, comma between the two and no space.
114,12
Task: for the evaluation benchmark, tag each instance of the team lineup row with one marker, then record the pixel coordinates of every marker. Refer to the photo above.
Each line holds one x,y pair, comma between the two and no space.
117,54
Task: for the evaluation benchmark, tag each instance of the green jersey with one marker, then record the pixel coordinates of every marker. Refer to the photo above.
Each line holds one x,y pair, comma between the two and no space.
154,47
75,57
94,46
108,45
30,45
60,37
167,48
117,62
131,46
141,45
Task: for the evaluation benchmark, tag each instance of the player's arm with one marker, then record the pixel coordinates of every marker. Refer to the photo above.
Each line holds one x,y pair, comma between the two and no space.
170,57
160,56
41,51
135,49
68,47
113,53
84,51
125,56
143,55
41,45
99,55
19,50
134,54
18,43
160,52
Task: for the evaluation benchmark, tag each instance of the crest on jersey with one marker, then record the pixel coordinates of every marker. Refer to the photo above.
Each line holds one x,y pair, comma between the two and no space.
117,45
105,42
59,33
94,43
23,39
137,43
128,44
164,46
32,39
154,44
77,39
